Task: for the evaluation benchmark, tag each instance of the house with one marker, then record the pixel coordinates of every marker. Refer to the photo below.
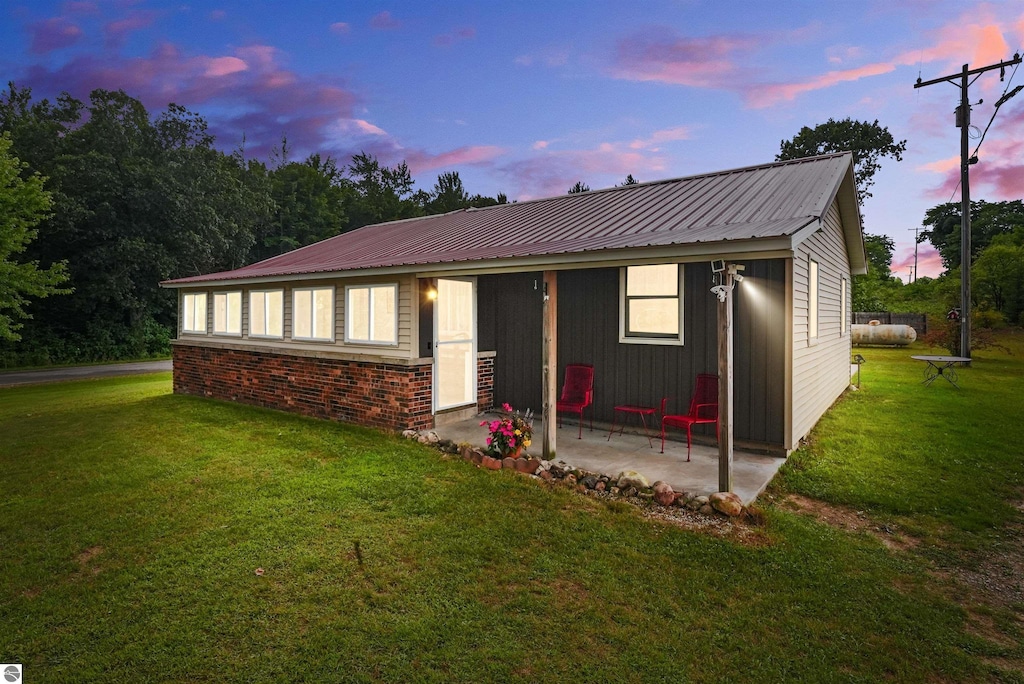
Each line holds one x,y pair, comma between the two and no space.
412,323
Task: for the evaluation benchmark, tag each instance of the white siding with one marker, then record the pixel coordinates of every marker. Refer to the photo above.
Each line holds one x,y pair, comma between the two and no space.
821,367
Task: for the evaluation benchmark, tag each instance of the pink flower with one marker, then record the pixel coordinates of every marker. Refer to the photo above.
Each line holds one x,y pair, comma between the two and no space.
511,443
489,440
483,422
507,407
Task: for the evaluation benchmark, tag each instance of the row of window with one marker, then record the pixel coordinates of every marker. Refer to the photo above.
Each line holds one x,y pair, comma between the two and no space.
371,313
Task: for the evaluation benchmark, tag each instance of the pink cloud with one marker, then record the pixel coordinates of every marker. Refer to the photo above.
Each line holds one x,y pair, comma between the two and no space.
255,95
929,263
770,94
942,165
448,39
976,35
340,27
540,145
224,66
53,34
554,172
116,31
662,136
384,22
662,55
420,161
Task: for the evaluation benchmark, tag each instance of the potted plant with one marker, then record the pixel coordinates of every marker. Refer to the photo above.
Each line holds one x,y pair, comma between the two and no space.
509,434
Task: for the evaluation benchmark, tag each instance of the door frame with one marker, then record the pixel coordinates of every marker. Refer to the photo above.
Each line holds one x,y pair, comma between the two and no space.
437,345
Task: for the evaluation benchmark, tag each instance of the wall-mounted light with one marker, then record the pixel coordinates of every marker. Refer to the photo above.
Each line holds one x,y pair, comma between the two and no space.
431,294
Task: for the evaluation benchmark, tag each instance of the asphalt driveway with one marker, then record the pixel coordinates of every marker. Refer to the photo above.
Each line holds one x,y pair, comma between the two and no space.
31,377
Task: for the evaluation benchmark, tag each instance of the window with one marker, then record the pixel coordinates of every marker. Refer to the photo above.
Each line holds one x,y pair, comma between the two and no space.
313,313
266,313
842,307
227,313
193,315
812,299
371,314
651,304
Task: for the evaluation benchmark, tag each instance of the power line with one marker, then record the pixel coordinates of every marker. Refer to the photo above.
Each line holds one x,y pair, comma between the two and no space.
963,122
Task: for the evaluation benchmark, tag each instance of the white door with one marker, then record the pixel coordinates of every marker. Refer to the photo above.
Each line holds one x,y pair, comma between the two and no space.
454,343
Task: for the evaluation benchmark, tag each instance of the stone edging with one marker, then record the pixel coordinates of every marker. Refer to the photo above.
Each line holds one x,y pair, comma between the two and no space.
628,484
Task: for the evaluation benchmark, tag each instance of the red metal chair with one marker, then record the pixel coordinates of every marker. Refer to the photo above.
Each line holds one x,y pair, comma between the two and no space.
642,411
703,409
577,393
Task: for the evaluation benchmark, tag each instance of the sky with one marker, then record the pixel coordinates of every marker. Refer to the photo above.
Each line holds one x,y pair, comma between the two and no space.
528,97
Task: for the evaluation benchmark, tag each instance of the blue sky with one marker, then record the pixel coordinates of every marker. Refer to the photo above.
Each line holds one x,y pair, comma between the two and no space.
527,98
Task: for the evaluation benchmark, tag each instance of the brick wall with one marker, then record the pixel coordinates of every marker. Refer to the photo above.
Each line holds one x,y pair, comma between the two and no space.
380,395
485,384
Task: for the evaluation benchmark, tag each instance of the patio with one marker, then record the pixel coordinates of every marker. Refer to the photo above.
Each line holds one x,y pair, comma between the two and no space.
630,451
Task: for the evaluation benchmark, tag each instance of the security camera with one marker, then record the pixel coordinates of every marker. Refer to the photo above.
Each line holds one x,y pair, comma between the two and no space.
738,278
718,265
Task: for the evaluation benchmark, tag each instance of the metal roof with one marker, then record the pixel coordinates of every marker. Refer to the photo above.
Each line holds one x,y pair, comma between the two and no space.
753,203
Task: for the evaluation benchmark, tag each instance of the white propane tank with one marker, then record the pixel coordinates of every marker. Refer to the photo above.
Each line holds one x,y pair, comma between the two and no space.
888,335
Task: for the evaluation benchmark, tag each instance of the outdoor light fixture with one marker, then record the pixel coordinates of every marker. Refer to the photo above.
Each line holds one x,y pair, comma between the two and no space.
732,276
431,294
718,265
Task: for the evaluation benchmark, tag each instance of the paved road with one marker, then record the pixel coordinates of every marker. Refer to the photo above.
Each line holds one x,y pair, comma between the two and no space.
30,377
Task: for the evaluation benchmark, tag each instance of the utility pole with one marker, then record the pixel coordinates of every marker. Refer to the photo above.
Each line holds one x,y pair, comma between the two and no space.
963,122
915,251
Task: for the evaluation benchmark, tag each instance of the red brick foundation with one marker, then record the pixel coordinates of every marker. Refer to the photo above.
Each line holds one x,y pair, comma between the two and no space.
390,396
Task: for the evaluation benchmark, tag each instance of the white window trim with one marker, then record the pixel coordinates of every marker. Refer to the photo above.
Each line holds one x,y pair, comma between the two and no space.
348,318
813,299
266,314
844,293
227,313
636,339
312,309
185,329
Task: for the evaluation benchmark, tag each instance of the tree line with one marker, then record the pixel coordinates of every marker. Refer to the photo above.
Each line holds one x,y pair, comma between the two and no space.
123,199
101,201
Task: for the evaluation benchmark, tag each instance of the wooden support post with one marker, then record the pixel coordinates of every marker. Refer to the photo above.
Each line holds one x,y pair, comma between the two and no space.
550,356
725,409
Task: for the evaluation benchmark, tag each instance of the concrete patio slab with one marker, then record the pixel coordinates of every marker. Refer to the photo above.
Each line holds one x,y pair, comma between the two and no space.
751,472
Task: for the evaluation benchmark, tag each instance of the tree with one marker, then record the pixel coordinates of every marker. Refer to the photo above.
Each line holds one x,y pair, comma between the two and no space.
869,142
869,291
630,180
988,220
578,188
448,195
23,204
310,200
382,193
999,278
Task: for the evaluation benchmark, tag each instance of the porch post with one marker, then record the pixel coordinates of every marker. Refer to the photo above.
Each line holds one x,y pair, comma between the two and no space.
550,355
725,387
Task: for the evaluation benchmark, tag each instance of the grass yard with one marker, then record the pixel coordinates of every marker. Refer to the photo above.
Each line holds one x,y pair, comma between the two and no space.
133,523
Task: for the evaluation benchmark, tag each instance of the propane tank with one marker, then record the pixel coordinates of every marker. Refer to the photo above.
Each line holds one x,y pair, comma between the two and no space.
889,335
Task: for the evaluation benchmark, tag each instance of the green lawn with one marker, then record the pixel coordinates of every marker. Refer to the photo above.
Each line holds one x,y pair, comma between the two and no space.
133,522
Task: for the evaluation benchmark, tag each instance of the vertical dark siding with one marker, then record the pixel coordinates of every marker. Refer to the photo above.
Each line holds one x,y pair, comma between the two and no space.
509,322
426,326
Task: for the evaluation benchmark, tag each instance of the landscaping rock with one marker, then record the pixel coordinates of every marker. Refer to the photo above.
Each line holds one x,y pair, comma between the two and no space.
556,470
570,479
615,491
681,500
530,465
546,475
590,481
706,509
432,437
601,485
696,502
664,494
726,502
631,478
410,434
646,495
629,491
422,439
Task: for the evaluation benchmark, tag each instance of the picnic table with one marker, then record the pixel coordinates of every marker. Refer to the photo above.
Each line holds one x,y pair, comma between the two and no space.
941,366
